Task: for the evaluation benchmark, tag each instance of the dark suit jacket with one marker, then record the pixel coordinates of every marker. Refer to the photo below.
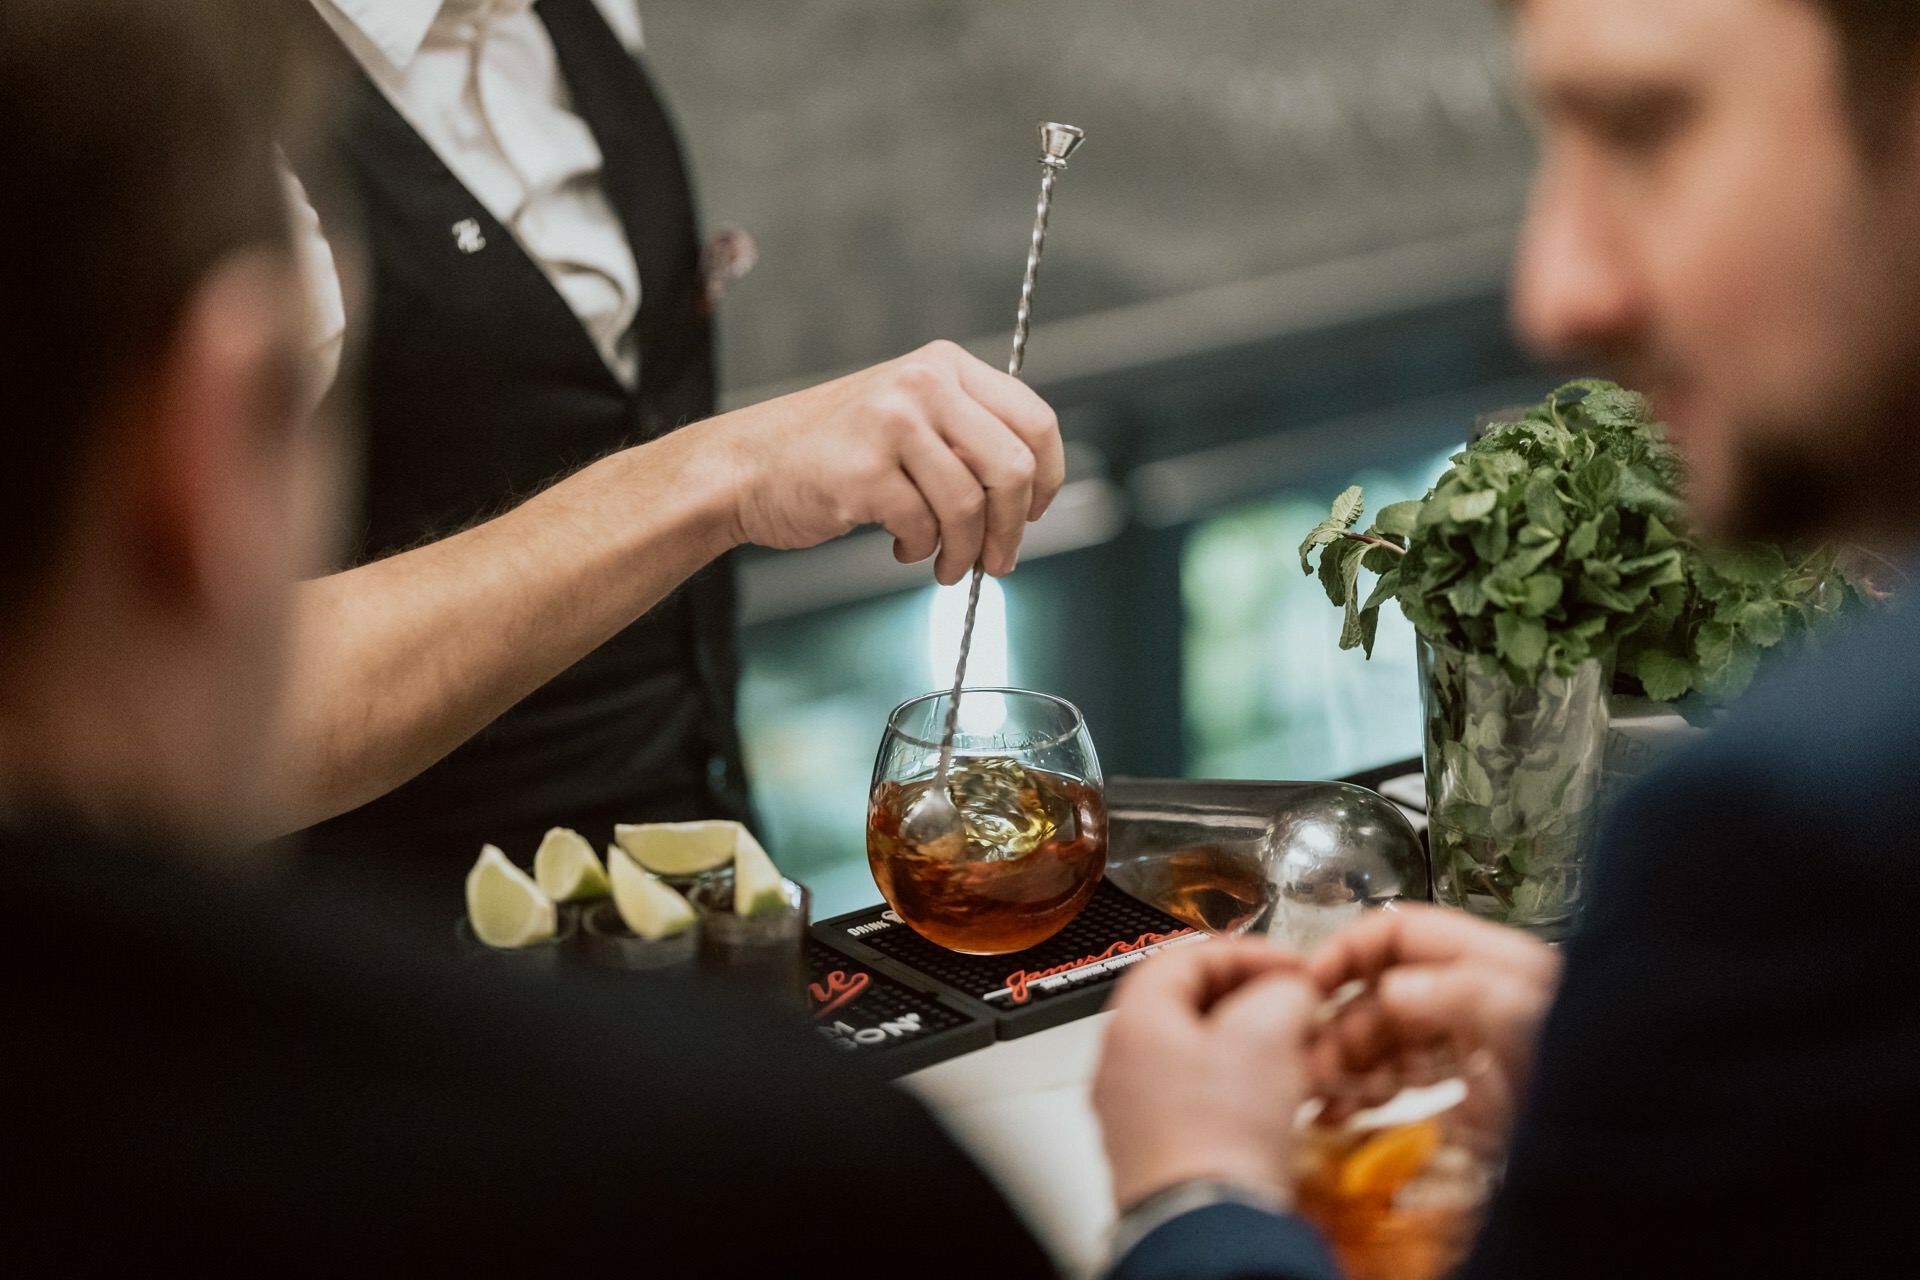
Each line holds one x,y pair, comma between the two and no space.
204,1071
1729,1083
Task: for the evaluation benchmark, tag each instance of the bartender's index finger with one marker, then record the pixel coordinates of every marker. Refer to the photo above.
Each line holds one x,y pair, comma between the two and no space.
1001,462
902,511
956,499
1027,416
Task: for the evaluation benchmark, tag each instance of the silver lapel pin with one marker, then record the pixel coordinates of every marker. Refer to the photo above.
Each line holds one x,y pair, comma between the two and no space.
467,236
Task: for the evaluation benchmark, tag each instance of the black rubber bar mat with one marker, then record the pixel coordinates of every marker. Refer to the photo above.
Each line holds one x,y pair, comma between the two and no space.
901,1028
1068,976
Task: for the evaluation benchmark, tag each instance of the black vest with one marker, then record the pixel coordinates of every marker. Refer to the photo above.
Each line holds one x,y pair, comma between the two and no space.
481,386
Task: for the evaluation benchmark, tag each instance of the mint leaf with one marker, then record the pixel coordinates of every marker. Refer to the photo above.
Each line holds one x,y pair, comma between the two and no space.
1489,537
1322,534
1592,591
1383,590
1540,593
1473,506
1353,631
1641,490
1744,565
1662,568
1544,507
1730,681
1332,580
1522,642
1715,648
1522,563
1348,506
1467,597
1596,482
1761,622
1398,519
1664,676
1616,407
1380,559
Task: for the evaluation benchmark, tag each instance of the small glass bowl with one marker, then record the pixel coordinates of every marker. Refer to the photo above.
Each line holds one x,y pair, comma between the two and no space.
608,943
766,951
549,956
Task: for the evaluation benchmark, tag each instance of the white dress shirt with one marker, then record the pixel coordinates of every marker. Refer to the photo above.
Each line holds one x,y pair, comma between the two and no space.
480,82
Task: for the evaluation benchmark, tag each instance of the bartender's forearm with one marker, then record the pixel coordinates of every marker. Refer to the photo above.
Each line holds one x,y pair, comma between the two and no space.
398,662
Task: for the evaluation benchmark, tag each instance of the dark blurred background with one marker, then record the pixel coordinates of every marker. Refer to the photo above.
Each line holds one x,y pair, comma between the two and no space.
1276,268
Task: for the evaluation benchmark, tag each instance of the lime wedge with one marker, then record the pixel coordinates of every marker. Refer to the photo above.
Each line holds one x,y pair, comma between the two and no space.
679,848
504,905
651,907
566,868
757,884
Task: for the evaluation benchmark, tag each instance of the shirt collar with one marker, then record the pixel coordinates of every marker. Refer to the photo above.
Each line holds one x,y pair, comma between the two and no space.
396,28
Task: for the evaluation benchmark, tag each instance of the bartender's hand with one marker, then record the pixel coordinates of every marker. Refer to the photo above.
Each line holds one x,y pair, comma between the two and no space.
1444,987
1204,1068
945,452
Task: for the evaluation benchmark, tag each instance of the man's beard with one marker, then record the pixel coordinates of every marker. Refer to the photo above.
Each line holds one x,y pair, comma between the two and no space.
1857,479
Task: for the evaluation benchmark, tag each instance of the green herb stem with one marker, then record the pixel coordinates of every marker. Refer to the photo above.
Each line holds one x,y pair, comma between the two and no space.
1373,541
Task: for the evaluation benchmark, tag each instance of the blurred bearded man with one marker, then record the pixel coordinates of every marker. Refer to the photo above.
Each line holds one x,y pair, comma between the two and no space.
1722,1080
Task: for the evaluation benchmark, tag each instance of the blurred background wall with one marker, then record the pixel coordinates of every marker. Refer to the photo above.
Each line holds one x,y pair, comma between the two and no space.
1276,267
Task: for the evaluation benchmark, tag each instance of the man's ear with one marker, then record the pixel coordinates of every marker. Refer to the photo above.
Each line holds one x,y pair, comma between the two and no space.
218,411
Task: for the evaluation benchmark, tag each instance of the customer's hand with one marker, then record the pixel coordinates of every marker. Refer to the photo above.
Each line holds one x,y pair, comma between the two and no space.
945,452
1204,1069
1444,990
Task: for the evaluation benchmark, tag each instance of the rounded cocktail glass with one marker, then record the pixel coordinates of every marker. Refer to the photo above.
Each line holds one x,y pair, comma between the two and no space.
1027,786
1398,1190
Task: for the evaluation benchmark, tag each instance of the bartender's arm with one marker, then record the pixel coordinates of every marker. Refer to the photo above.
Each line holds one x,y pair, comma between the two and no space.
399,661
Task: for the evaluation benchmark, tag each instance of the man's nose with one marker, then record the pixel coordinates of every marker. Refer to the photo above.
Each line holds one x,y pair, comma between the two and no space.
1574,291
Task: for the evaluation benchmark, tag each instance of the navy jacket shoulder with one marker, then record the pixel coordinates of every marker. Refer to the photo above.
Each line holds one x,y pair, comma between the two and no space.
1726,1084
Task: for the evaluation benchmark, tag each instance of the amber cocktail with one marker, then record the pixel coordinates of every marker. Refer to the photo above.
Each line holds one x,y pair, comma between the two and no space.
1027,786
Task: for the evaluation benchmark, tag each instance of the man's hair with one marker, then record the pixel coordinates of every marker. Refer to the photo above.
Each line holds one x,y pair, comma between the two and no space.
1881,39
136,144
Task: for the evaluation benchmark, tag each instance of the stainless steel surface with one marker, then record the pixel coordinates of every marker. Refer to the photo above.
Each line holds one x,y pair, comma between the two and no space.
933,822
1319,853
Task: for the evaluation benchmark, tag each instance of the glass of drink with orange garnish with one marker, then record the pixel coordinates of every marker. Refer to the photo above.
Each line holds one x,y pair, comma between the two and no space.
1397,1190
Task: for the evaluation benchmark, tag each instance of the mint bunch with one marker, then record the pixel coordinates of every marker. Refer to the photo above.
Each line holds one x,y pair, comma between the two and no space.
1561,535
1740,603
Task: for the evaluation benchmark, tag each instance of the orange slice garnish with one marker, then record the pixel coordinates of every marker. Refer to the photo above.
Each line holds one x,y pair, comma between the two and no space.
1388,1161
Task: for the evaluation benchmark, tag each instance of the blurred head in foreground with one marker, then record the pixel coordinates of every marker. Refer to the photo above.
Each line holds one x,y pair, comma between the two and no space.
159,491
1728,211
